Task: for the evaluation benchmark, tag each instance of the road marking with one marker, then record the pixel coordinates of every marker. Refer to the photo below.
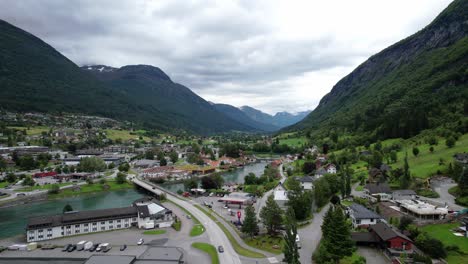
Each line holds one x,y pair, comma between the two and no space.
273,260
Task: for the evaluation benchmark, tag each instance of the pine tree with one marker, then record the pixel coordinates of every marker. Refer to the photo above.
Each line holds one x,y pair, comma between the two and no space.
290,250
463,182
338,241
348,182
250,226
406,179
271,215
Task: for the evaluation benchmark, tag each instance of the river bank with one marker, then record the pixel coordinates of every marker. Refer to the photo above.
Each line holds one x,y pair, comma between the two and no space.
13,220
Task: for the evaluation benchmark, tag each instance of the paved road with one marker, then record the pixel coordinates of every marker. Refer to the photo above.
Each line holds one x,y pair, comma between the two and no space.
261,202
310,236
215,234
373,255
442,187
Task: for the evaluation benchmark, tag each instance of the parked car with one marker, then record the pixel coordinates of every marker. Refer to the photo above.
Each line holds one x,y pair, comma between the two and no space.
123,247
106,247
141,241
94,247
72,248
99,248
189,217
220,249
65,248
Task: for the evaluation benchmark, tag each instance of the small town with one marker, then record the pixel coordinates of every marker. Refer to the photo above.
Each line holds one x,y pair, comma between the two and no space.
234,132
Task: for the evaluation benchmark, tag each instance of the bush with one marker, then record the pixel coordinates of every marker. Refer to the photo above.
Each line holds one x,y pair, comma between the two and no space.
121,178
417,258
431,246
55,189
427,193
405,221
177,225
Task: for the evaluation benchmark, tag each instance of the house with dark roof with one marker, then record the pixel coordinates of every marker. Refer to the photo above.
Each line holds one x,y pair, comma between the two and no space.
307,182
403,195
362,217
384,236
320,172
379,190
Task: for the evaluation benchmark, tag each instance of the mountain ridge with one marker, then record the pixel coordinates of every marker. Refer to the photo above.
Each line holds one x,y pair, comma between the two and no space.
403,89
36,77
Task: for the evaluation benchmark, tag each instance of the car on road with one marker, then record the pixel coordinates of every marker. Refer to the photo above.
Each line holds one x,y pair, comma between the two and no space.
123,247
189,217
141,241
20,194
65,248
72,248
220,249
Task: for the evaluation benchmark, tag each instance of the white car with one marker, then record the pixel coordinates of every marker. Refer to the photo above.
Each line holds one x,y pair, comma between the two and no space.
141,241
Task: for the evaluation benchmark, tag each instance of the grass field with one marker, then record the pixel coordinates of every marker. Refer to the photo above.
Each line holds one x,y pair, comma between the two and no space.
4,184
37,130
266,243
443,233
124,135
42,187
209,249
155,232
293,142
237,247
91,188
427,163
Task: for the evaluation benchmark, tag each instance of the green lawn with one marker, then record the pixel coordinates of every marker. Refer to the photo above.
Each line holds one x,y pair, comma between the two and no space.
42,187
360,188
293,142
443,233
266,243
155,232
209,249
237,247
124,135
5,184
197,230
91,188
427,163
36,130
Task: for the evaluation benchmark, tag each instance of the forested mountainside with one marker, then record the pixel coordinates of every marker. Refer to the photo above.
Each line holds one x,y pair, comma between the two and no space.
280,119
238,115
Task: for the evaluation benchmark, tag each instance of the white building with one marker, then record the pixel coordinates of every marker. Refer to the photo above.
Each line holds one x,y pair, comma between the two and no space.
74,223
280,195
331,168
307,182
363,217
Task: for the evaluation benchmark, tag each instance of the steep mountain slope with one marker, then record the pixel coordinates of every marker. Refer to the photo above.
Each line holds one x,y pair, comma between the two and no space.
36,77
171,103
280,119
418,83
238,115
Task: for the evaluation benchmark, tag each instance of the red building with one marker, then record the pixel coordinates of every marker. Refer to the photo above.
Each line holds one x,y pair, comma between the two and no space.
382,235
44,174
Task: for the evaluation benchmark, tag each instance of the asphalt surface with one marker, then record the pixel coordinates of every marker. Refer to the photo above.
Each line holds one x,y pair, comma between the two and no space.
441,187
310,236
215,235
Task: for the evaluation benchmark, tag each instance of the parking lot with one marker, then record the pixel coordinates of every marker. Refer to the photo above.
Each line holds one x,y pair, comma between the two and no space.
229,213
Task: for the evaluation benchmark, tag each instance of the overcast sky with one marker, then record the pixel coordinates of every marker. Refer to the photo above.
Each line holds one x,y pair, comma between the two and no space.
272,55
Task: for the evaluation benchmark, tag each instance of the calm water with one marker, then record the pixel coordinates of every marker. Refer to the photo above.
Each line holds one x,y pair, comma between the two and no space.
236,176
13,219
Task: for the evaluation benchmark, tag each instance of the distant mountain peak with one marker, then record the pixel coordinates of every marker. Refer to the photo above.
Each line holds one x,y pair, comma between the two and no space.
140,69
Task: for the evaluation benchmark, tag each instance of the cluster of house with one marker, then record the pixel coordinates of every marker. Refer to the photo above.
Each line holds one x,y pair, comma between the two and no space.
406,201
144,213
378,234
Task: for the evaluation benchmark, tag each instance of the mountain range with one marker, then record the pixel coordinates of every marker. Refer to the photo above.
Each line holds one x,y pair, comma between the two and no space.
258,119
419,83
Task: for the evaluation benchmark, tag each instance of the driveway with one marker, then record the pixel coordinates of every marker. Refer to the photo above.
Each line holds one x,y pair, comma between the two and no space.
373,255
441,186
310,236
261,202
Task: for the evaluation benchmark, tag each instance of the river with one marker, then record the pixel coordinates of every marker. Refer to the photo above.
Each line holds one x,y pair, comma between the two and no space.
13,220
234,176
